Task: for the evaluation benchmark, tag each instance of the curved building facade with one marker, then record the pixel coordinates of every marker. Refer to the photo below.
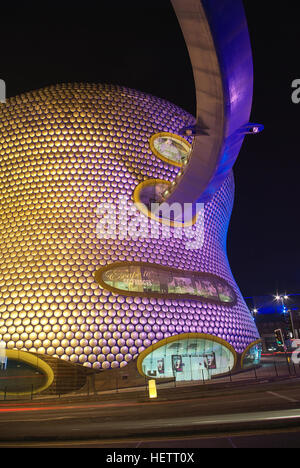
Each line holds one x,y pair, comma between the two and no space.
100,287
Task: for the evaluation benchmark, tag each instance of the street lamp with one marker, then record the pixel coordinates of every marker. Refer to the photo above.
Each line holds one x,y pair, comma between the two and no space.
282,299
254,312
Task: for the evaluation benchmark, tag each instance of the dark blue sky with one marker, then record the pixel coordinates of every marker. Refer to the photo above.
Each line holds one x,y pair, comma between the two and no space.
139,44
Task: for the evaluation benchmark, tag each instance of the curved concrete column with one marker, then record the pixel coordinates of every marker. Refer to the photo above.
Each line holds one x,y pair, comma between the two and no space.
217,39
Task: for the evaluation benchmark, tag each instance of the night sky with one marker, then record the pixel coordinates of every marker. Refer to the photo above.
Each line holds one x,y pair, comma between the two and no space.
139,44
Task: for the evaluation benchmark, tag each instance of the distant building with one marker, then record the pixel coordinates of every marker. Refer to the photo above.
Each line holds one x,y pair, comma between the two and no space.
270,315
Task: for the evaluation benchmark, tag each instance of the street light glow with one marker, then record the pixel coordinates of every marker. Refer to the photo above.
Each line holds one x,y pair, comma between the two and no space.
281,298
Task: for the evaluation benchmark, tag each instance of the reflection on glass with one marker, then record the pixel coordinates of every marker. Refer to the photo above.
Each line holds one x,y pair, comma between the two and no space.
152,279
195,359
172,148
153,193
17,376
225,292
3,358
253,356
177,364
206,289
161,366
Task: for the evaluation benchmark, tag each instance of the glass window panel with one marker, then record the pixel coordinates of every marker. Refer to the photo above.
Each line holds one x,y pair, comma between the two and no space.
17,376
253,356
156,280
172,148
187,360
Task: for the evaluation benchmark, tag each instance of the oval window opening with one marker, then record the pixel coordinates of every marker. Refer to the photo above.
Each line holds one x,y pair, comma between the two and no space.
20,377
187,358
151,280
22,372
252,355
148,197
171,148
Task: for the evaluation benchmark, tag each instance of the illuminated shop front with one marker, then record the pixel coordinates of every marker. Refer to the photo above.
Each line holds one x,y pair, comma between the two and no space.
252,355
187,357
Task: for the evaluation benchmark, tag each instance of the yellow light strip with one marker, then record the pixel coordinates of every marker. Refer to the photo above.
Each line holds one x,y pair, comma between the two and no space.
152,389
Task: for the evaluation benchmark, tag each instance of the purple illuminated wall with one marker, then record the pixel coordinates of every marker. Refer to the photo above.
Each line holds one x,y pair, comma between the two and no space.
64,150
